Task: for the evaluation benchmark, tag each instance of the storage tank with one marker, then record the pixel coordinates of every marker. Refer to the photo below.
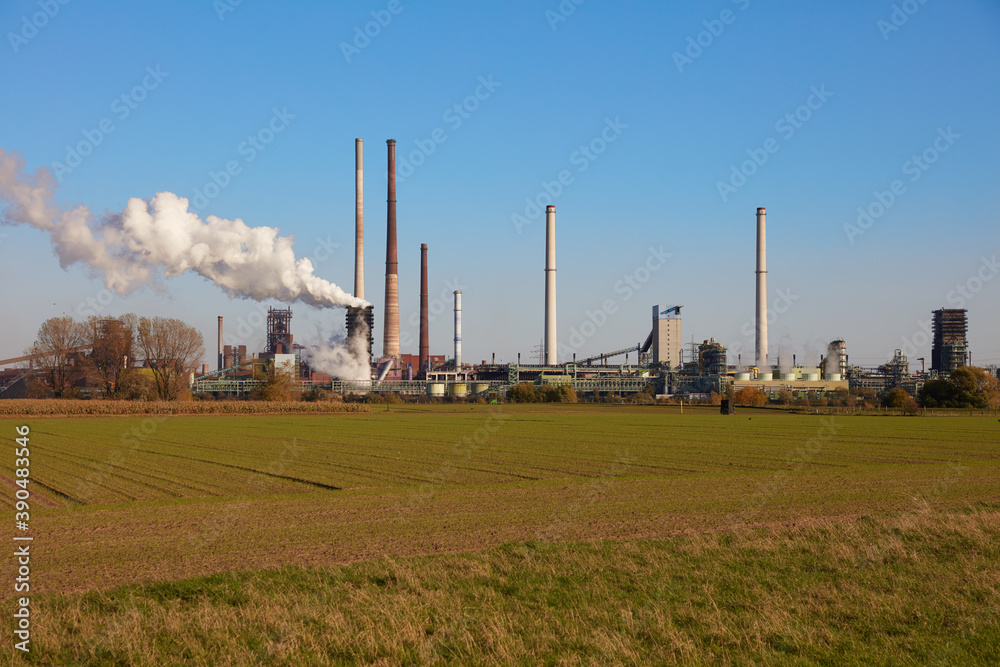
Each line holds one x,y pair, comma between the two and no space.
458,389
435,389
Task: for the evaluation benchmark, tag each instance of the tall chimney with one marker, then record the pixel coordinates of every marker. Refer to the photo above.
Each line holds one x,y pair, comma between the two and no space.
458,330
359,221
220,343
390,342
550,286
761,343
425,346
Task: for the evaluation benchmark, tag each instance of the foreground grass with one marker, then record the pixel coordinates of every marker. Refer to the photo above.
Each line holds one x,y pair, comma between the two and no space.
916,589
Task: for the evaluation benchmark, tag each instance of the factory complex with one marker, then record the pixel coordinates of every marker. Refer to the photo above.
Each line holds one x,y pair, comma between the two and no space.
660,360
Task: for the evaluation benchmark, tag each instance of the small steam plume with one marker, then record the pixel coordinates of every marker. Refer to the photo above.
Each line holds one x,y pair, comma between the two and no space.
343,359
132,249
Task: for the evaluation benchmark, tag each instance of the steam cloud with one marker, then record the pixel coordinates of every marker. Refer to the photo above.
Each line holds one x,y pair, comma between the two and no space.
133,248
161,237
345,360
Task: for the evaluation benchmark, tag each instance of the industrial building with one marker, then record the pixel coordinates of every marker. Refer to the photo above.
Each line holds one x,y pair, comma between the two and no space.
659,360
950,349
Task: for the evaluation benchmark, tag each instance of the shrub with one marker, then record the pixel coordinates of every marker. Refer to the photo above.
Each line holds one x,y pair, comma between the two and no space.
522,393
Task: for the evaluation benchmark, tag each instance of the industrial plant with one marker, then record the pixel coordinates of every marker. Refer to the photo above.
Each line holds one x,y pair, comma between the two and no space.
659,364
659,361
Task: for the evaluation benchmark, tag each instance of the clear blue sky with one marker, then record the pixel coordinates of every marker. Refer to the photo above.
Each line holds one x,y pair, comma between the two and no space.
679,128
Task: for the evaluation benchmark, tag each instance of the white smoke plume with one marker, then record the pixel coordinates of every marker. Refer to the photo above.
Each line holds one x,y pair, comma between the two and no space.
343,360
161,237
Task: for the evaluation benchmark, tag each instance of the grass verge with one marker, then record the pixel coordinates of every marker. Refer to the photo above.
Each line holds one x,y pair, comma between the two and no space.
914,589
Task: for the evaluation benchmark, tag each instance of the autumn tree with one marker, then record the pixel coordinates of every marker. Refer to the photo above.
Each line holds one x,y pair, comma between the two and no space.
56,352
112,357
277,383
171,349
900,399
966,387
976,387
751,397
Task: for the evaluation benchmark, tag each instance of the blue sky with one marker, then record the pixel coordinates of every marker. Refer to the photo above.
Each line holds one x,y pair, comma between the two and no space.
889,89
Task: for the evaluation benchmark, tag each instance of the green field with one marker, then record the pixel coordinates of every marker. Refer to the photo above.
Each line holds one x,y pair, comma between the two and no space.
497,534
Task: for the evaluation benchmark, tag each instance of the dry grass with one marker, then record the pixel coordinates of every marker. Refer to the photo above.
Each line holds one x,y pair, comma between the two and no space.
546,535
925,593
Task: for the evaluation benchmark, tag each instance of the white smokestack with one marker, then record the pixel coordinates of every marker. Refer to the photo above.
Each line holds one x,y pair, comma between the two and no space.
550,286
761,343
458,330
359,221
160,238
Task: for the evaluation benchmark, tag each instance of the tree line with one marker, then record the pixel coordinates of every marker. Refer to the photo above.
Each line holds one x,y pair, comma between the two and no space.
122,357
966,387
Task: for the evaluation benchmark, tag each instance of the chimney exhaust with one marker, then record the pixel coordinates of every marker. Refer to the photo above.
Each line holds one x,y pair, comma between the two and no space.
550,286
390,341
359,220
761,342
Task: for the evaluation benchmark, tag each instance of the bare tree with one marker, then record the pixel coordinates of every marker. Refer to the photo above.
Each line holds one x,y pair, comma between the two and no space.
172,349
111,358
56,353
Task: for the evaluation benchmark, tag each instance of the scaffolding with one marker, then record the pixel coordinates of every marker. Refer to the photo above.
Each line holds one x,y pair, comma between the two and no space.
950,347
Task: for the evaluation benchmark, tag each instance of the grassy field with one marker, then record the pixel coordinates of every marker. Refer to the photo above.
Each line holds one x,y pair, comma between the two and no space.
498,534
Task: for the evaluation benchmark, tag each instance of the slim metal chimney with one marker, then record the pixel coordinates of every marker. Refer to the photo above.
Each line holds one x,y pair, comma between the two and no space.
550,286
390,341
761,343
458,330
220,344
359,221
425,346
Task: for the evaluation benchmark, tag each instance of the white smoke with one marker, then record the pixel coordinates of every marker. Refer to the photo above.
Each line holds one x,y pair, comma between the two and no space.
161,237
343,360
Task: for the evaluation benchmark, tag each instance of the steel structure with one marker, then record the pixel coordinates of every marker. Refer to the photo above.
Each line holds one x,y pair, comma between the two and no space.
279,331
